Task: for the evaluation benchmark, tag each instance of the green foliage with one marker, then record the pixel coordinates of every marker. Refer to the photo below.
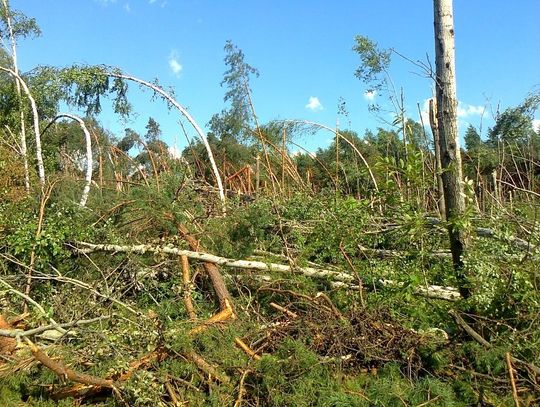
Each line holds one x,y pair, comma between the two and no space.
82,87
246,230
21,25
293,376
502,290
63,223
472,139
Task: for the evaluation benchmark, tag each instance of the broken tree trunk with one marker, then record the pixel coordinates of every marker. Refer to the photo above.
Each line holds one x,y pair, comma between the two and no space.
341,279
225,301
445,90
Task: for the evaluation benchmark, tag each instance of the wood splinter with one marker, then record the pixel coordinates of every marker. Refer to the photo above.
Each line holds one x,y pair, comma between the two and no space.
223,315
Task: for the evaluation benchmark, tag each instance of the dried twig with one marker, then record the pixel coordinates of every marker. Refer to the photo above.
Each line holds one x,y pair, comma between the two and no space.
511,376
28,299
221,316
172,394
225,299
206,367
334,309
284,310
478,338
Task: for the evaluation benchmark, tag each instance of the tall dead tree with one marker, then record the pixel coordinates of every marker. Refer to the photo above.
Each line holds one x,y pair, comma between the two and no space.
445,88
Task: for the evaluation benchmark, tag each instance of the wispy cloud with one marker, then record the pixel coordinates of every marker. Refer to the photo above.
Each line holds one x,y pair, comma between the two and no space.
370,95
314,104
175,66
105,2
151,1
127,8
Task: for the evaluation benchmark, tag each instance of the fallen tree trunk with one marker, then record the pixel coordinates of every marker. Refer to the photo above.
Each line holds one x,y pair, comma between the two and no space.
389,254
486,232
339,278
211,258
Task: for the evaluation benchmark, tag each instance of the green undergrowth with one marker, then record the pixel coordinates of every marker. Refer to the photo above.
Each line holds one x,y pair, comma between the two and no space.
372,349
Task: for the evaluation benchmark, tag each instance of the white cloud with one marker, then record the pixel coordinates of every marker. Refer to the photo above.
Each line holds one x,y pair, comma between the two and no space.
105,2
314,104
465,110
369,95
425,112
151,1
175,152
127,7
536,125
176,67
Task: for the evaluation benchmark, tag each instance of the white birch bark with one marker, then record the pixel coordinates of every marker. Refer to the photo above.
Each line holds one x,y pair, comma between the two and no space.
89,159
189,118
35,114
23,147
338,279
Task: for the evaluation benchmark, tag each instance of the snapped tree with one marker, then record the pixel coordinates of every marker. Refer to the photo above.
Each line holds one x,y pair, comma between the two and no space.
446,113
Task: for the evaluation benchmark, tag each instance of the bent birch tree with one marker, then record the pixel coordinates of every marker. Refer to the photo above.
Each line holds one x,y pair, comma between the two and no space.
35,114
89,160
188,117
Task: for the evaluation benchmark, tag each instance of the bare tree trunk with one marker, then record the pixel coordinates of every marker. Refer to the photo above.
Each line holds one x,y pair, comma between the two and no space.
445,87
21,110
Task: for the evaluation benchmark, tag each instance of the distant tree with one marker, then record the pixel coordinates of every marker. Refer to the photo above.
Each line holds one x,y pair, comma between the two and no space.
153,131
341,164
374,64
516,145
514,125
129,141
472,139
237,119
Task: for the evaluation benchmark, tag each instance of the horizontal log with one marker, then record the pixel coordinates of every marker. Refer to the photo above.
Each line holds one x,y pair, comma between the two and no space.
338,278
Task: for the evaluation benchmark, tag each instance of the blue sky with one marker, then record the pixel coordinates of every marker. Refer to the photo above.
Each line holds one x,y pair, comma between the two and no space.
301,48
